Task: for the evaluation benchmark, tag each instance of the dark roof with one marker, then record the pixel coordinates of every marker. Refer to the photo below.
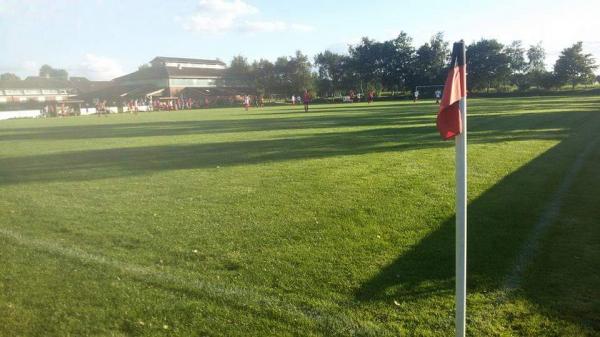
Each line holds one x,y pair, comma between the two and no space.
119,92
86,85
157,72
51,83
186,60
35,83
145,74
194,72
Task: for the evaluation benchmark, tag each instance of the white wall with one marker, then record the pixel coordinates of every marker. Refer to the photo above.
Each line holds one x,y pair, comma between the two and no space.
36,113
19,114
88,111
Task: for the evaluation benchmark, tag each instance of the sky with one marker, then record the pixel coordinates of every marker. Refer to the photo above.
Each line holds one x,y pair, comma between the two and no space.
103,39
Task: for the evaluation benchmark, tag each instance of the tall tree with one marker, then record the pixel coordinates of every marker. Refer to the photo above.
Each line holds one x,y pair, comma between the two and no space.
239,74
264,76
49,72
283,82
516,57
332,72
9,76
536,56
574,67
300,73
366,62
398,63
431,60
487,64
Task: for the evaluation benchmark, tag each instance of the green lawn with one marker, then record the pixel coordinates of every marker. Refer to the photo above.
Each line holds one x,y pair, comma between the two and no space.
275,222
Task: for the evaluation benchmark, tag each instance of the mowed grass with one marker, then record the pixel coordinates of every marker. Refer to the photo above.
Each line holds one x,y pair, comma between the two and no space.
276,222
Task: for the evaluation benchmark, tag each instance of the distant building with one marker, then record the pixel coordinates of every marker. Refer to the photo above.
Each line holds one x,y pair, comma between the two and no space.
34,92
164,77
31,96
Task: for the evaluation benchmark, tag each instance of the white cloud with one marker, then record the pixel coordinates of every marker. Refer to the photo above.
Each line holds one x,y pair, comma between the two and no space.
222,16
273,26
101,68
214,16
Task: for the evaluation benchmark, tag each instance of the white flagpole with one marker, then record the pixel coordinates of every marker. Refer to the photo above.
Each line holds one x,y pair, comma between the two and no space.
461,222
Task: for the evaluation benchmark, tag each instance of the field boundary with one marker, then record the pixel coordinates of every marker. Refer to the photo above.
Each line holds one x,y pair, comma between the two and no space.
547,218
235,296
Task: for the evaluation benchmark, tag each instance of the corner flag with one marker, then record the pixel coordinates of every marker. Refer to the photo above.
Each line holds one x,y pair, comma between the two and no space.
448,120
452,123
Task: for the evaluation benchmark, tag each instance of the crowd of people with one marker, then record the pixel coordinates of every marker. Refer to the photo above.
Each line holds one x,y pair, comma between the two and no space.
259,101
180,103
62,109
248,101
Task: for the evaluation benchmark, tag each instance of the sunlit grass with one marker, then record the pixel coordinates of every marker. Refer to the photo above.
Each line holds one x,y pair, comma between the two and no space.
276,222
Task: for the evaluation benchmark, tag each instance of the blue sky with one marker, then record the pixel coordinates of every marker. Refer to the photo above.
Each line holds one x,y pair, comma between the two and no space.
102,39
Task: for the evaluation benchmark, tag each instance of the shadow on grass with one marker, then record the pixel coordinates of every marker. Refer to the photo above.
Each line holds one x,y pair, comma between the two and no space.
119,162
500,221
376,116
349,116
564,276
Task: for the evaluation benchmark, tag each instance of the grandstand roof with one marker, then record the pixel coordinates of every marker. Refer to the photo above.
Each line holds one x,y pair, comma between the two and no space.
162,59
157,72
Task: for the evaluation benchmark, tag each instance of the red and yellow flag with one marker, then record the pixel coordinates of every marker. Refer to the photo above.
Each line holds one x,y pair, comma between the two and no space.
448,120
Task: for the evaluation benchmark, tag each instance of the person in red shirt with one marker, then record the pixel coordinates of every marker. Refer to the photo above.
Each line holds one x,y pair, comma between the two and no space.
306,100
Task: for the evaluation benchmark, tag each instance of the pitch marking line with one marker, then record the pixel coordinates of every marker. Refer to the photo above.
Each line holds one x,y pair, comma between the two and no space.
548,217
239,297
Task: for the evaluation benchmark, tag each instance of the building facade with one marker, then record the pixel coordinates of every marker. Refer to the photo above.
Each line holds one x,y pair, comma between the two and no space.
173,74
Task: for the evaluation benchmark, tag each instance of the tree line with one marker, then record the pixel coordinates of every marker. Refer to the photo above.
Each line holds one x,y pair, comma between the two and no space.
396,65
45,71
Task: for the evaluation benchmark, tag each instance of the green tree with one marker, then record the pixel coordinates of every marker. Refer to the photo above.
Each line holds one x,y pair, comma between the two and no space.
545,79
300,74
264,77
574,67
9,76
431,60
332,72
49,72
366,62
382,64
283,82
536,56
516,57
487,64
398,62
239,74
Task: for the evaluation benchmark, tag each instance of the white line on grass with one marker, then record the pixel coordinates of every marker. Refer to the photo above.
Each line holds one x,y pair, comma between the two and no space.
240,297
548,217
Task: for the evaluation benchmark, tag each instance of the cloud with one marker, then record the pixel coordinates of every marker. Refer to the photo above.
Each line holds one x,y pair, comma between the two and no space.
222,16
215,16
272,26
101,68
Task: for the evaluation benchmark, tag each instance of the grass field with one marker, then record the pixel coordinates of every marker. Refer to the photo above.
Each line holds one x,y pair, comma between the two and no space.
275,222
